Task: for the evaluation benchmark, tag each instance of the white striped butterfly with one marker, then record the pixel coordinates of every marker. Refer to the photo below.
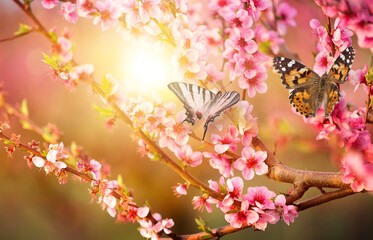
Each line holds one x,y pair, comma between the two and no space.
202,103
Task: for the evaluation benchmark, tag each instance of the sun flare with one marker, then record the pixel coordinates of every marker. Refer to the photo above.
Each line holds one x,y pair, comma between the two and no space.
147,69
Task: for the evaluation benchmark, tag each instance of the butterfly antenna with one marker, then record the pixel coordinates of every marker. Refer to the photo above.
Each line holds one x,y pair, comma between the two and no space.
204,133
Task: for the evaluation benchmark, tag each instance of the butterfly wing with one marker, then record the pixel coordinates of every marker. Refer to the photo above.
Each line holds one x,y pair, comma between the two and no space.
195,99
331,97
220,103
293,73
342,65
304,100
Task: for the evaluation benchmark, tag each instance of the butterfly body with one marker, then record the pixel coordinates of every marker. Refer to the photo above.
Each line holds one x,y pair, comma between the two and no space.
200,102
308,90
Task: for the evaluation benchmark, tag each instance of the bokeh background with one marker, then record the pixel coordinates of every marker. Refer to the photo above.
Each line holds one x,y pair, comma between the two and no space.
35,206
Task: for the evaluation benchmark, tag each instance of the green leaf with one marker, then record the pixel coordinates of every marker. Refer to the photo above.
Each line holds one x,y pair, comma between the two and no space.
26,125
104,111
24,108
265,47
48,137
51,61
203,227
106,85
23,29
369,77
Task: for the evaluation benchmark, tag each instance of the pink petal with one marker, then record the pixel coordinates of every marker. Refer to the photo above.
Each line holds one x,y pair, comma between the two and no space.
221,148
38,161
142,212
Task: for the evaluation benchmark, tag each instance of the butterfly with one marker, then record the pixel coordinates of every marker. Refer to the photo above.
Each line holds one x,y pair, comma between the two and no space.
202,103
309,90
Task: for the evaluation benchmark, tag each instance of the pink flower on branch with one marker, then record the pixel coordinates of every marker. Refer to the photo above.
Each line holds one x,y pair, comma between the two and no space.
108,14
260,197
287,212
187,156
357,172
49,4
68,10
227,141
52,160
234,191
255,7
150,9
201,202
243,217
286,15
251,162
86,8
323,62
220,162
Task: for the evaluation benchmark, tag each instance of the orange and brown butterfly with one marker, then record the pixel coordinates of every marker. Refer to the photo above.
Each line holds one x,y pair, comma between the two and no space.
309,90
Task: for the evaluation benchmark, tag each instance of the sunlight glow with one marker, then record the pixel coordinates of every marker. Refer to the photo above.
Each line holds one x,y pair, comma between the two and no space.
146,69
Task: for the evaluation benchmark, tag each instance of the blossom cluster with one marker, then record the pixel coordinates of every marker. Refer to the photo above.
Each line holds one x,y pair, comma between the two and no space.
242,34
246,40
346,125
105,191
355,15
258,207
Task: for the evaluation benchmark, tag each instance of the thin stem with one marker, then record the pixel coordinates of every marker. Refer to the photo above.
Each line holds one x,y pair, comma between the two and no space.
16,36
26,9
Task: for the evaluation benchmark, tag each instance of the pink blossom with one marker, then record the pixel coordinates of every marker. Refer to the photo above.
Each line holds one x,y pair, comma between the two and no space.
322,34
93,167
239,19
241,40
357,172
142,212
68,10
269,41
234,191
251,162
81,72
287,212
286,15
200,202
85,7
186,61
150,8
357,77
217,5
227,141
265,217
109,13
341,36
111,202
213,74
132,10
246,123
179,133
254,84
63,48
359,140
260,197
323,61
49,4
150,230
186,154
243,217
255,7
51,161
221,163
181,189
